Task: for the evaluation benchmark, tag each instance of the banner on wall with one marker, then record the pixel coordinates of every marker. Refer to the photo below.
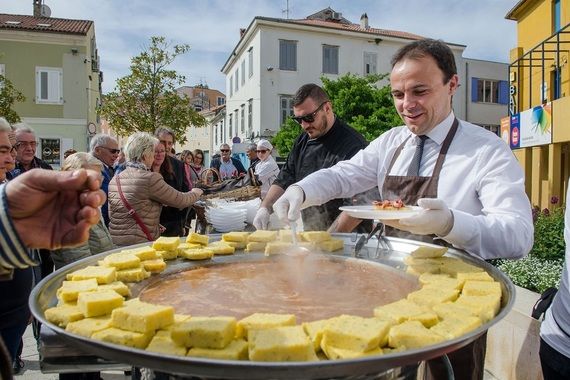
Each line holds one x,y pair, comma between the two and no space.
506,129
530,128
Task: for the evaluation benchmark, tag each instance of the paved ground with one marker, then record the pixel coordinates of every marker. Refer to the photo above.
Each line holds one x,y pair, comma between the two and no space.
32,367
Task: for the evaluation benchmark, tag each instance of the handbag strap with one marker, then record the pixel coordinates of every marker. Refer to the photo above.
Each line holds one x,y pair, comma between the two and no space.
132,211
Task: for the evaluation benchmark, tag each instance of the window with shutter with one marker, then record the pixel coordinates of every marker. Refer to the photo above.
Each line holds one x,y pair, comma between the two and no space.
330,59
250,61
286,108
370,60
49,85
288,55
243,72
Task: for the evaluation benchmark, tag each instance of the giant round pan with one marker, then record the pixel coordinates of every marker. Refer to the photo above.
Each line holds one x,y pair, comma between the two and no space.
391,254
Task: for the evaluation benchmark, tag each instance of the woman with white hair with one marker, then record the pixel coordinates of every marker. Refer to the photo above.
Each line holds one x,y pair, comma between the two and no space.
137,194
99,236
266,169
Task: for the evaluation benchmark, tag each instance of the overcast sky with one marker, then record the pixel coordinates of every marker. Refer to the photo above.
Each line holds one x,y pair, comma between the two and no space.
211,27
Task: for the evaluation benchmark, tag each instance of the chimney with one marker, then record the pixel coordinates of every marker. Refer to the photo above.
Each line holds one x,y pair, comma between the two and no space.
38,8
364,21
241,33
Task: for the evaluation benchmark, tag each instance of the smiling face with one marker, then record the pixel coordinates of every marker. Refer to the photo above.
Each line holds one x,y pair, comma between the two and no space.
226,152
6,158
159,155
420,96
107,153
198,159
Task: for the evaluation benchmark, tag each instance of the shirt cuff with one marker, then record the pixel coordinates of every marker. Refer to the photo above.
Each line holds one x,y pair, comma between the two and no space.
13,252
462,227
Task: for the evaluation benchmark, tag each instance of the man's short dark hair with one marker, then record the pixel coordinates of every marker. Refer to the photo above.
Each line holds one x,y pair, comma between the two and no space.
160,130
312,91
437,49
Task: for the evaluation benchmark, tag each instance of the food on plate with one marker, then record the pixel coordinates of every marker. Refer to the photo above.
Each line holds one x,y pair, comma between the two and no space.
118,286
221,249
70,289
205,332
197,254
425,252
165,243
454,327
255,246
259,321
103,275
412,334
99,302
432,296
63,314
123,337
239,237
236,350
88,326
315,236
142,317
154,266
169,255
331,245
356,333
396,205
263,236
288,343
132,275
287,236
406,310
146,253
122,260
193,237
163,343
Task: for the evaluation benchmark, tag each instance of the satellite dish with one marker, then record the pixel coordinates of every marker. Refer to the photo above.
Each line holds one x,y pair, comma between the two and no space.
45,11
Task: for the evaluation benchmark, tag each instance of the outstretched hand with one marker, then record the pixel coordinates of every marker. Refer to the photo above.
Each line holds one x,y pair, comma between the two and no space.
54,209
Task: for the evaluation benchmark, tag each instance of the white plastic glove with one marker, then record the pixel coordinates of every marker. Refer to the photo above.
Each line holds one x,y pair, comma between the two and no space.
436,218
288,206
261,220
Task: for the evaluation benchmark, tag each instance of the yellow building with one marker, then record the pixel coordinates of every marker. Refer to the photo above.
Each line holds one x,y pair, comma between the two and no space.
539,75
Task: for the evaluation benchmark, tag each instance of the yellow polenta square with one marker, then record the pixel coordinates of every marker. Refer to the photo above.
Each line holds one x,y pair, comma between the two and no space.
481,288
164,344
262,235
234,244
197,254
145,253
239,236
453,310
205,332
477,276
412,334
178,318
132,275
100,302
103,275
280,344
356,333
452,328
316,236
405,310
315,330
428,278
452,266
444,283
88,326
64,314
287,236
485,307
255,246
142,317
166,243
333,352
221,249
425,252
154,266
263,321
123,337
331,245
433,296
168,255
197,238
277,247
70,289
118,286
236,350
419,269
183,246
122,260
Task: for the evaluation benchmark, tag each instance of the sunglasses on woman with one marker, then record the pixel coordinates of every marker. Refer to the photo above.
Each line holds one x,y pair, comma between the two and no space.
310,117
262,151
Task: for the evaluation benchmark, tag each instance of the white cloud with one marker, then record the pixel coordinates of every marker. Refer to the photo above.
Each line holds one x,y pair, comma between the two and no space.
211,27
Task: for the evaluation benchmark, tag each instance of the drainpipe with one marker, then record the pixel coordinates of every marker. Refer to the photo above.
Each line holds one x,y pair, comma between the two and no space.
468,84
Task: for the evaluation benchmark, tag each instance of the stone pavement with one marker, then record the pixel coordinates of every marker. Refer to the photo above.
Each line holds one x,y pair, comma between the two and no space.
32,371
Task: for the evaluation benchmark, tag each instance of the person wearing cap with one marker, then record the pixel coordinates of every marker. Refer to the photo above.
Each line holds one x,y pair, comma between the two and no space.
266,168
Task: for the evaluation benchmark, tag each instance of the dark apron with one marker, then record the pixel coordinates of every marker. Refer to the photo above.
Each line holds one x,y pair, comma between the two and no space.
467,362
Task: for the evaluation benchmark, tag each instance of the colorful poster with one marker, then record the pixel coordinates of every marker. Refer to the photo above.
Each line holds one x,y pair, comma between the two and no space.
536,126
506,129
515,131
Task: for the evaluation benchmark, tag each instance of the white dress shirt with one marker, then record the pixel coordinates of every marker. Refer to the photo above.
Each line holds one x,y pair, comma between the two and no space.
481,182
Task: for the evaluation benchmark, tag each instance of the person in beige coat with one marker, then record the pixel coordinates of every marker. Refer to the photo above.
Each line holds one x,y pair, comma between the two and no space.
144,191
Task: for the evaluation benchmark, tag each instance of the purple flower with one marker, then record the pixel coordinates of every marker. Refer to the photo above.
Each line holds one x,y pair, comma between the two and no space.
554,200
546,212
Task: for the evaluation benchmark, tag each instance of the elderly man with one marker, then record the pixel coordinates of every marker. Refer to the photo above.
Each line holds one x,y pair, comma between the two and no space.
466,179
326,140
252,155
226,165
26,151
106,149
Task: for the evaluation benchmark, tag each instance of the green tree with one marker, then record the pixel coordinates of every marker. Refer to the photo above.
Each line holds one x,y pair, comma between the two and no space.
8,96
146,98
358,101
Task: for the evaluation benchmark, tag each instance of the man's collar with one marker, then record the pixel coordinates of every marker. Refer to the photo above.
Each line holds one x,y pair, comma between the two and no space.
440,131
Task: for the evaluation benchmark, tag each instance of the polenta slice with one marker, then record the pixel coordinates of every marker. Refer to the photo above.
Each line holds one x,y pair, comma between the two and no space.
197,238
221,249
197,254
154,266
145,253
263,321
204,332
163,343
412,334
99,302
165,243
123,337
316,236
481,288
356,333
239,236
142,317
70,289
425,252
88,326
118,286
331,245
103,275
333,352
64,314
432,296
406,310
452,328
236,350
122,260
280,344
263,236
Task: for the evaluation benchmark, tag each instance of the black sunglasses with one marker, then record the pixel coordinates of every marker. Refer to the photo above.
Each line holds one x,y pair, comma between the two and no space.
310,117
262,151
224,150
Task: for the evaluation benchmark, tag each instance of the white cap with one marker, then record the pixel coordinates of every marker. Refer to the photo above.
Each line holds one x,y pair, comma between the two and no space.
264,144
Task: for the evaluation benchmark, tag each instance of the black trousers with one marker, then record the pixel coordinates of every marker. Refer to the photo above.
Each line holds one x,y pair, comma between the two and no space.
554,365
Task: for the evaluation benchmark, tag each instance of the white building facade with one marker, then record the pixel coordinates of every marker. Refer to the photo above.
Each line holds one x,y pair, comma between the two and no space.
275,57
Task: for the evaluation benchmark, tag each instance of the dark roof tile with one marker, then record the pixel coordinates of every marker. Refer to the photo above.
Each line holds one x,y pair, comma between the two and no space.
44,24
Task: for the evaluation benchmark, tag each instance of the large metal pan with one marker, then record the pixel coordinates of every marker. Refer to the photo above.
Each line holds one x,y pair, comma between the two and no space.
391,252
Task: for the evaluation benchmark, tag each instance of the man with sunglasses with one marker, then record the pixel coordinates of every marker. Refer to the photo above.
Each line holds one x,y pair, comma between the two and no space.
326,140
106,149
226,165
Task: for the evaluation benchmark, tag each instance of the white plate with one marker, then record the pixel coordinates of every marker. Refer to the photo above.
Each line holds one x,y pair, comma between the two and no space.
371,212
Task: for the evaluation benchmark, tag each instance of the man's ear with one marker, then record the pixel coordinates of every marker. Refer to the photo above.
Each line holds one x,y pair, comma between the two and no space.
453,84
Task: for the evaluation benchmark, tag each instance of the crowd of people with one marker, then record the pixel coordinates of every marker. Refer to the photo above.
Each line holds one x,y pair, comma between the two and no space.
465,179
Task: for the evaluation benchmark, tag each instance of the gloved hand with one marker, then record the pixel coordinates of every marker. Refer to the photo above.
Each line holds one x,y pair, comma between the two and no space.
288,206
261,220
435,218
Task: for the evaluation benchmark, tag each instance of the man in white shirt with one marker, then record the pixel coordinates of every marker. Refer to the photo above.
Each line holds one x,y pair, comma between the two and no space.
468,182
